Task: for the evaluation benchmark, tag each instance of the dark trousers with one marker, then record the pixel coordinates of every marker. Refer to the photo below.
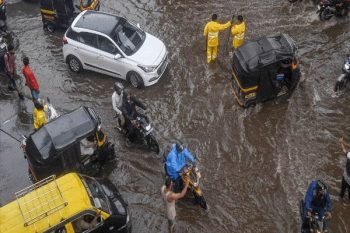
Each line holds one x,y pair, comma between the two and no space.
12,82
344,186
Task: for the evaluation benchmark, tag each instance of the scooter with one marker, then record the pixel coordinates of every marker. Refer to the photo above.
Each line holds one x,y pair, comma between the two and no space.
343,79
329,8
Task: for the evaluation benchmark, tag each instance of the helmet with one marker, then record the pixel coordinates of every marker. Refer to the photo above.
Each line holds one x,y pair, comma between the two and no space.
118,87
179,146
321,187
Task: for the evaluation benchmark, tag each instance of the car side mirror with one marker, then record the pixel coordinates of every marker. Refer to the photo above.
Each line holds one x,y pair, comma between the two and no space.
117,56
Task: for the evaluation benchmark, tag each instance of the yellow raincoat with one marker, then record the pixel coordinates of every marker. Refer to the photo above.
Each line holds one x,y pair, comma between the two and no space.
238,32
211,32
39,118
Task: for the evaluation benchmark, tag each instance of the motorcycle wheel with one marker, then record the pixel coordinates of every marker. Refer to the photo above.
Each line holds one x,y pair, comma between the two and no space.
324,15
152,143
200,200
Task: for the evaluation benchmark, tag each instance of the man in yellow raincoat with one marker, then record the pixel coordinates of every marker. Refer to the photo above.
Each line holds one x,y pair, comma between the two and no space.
238,32
39,115
211,32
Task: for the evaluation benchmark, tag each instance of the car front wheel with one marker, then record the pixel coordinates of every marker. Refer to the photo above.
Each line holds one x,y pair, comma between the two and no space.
74,64
135,79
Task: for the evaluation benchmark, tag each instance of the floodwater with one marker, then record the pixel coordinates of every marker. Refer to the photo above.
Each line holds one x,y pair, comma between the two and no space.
256,163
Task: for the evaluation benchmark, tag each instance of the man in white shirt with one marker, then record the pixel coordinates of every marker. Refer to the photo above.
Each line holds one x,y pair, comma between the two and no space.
117,102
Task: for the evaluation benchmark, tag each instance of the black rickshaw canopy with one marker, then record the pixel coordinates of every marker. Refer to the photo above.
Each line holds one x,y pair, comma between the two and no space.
257,54
58,134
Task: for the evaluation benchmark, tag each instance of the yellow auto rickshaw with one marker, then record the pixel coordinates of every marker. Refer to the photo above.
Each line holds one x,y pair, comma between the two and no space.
61,13
66,205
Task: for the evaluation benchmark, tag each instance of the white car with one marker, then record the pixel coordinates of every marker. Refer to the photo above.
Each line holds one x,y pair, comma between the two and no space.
111,45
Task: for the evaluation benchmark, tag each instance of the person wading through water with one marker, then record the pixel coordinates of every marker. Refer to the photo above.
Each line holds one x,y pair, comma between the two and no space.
211,32
169,198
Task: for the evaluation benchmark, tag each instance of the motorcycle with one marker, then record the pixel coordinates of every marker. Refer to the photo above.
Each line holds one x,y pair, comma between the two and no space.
192,173
143,132
314,224
343,79
329,8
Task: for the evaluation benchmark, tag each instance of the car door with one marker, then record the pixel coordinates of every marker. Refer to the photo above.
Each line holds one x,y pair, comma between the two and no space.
108,51
88,51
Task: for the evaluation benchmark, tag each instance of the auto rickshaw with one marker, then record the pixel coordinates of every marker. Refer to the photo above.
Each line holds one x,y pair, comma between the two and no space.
264,69
61,13
72,142
3,15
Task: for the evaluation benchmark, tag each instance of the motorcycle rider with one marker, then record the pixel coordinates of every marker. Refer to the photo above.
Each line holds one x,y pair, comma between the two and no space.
130,113
317,200
176,161
117,102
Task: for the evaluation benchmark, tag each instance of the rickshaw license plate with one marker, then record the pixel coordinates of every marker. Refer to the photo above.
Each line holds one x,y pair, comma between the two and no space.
250,95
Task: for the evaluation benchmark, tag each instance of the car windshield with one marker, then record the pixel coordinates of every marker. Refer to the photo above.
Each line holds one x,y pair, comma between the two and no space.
97,195
128,37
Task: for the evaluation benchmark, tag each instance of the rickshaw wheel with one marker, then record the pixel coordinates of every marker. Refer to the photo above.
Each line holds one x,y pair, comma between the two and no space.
51,27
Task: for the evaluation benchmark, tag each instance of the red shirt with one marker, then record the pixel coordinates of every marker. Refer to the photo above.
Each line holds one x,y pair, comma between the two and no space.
30,78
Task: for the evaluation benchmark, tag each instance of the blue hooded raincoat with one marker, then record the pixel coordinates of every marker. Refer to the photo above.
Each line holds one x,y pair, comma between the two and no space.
176,161
319,207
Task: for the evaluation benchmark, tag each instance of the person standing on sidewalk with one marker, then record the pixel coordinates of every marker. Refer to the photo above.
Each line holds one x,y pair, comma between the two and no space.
345,184
31,81
169,198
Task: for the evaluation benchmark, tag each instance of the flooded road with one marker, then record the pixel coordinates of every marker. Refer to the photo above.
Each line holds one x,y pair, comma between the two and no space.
256,163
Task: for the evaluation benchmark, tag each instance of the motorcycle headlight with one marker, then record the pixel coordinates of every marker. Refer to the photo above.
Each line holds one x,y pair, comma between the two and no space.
147,69
148,127
347,66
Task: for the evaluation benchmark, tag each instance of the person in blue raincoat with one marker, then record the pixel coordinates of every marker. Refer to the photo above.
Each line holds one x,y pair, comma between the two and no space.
317,200
175,161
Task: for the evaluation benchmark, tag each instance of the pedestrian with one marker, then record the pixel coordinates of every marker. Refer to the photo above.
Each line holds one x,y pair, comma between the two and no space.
31,81
238,32
169,198
211,32
10,69
39,116
345,184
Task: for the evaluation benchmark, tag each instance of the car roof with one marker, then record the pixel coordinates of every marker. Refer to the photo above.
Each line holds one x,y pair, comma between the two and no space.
256,54
97,21
45,205
61,132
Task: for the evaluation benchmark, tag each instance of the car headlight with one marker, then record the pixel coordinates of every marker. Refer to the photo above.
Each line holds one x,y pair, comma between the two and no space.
147,69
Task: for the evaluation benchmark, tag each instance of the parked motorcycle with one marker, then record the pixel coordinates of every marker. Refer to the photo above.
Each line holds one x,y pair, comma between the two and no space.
343,79
329,8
